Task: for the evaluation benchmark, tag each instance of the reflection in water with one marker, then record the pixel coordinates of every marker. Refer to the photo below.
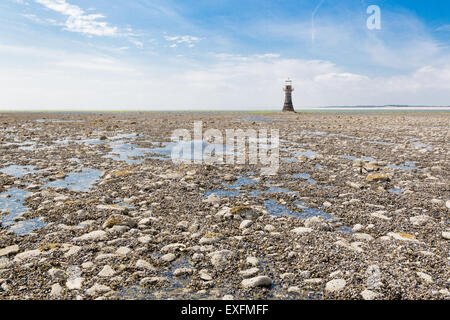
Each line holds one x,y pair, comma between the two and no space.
13,201
77,181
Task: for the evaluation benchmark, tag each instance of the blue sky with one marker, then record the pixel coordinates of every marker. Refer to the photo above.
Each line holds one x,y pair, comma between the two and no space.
221,54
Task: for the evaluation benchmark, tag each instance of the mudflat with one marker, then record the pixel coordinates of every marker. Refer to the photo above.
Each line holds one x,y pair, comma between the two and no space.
93,207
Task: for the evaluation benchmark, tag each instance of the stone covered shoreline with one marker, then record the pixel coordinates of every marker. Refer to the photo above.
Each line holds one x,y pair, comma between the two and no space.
92,208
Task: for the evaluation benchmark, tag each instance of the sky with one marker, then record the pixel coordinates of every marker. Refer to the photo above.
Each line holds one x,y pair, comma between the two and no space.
222,54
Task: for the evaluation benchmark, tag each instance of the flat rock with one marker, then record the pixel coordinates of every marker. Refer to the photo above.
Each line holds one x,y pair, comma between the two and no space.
220,259
56,291
9,250
301,230
369,295
27,255
93,236
261,281
106,272
249,272
335,285
75,284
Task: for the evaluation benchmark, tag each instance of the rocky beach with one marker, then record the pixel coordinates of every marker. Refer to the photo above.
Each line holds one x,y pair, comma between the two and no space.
92,207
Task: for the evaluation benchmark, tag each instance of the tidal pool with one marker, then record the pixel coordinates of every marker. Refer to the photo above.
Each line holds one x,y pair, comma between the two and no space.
76,181
13,201
19,171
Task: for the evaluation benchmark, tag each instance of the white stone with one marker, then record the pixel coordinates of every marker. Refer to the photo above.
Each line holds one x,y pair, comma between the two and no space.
380,215
363,236
123,251
97,289
357,228
249,272
106,272
93,236
447,204
75,284
369,295
401,237
301,230
145,239
420,220
169,257
294,289
183,272
253,261
335,285
314,281
72,251
173,247
56,291
142,264
9,250
245,224
426,277
220,259
446,235
27,255
261,281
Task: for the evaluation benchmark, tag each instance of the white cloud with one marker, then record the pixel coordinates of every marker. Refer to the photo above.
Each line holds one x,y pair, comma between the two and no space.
78,20
445,27
188,40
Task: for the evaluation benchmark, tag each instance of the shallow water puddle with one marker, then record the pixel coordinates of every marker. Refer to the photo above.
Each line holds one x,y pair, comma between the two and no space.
235,188
304,176
352,158
396,191
19,171
76,181
192,150
408,165
122,151
276,209
13,201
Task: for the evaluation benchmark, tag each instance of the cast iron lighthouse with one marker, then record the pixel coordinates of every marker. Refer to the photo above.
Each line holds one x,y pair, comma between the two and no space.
288,107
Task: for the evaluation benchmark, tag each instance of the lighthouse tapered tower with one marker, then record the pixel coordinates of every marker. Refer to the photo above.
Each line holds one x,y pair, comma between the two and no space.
288,107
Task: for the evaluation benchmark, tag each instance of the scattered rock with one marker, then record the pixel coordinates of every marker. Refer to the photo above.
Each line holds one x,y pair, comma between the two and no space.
335,285
261,281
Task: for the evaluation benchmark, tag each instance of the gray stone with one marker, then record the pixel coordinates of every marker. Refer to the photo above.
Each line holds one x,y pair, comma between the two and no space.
261,281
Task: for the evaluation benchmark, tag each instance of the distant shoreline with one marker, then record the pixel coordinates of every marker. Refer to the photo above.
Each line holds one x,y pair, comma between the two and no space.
299,110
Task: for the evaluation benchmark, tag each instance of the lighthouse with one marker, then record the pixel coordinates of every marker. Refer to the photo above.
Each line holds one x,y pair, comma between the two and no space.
288,107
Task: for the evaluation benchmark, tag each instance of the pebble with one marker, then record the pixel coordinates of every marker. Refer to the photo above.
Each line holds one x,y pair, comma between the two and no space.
97,289
56,291
93,236
301,230
253,261
142,264
369,295
106,272
169,257
446,235
249,272
426,277
183,272
261,281
220,259
335,285
245,224
75,284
